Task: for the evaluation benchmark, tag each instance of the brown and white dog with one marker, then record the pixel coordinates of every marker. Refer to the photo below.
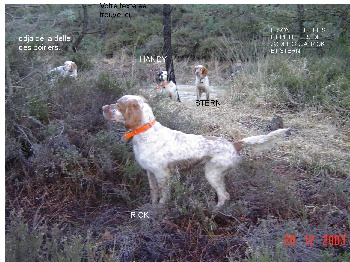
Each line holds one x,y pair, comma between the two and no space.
169,87
202,81
160,150
69,68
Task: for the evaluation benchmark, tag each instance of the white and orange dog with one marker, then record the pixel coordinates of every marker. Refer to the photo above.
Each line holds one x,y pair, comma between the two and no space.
202,81
69,68
160,150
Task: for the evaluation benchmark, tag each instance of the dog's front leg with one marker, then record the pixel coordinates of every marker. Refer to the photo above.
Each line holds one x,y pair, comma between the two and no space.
199,93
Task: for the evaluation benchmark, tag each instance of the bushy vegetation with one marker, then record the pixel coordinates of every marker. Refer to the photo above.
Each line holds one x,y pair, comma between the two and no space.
72,183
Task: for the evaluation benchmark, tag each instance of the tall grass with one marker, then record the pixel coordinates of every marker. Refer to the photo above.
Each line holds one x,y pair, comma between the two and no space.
322,83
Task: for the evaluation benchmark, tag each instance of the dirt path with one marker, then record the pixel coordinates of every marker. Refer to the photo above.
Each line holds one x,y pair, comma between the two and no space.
188,96
214,118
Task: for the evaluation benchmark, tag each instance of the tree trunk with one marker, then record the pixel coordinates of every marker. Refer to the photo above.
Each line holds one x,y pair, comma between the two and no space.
301,19
84,31
102,23
168,52
344,25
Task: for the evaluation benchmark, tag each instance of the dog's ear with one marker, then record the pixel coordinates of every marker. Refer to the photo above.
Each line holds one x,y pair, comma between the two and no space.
194,70
205,71
133,115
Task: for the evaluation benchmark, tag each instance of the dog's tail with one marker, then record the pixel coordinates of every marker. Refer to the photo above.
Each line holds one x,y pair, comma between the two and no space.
263,141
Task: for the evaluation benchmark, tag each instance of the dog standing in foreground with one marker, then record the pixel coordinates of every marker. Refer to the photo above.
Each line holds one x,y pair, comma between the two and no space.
160,150
202,81
169,88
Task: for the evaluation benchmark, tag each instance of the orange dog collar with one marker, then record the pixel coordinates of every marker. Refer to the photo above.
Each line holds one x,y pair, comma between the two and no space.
140,129
160,86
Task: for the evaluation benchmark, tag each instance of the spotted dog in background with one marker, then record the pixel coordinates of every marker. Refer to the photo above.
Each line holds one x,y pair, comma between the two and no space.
169,87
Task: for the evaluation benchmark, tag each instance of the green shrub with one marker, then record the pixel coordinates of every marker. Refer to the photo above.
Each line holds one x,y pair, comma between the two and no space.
268,255
39,243
107,82
22,242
